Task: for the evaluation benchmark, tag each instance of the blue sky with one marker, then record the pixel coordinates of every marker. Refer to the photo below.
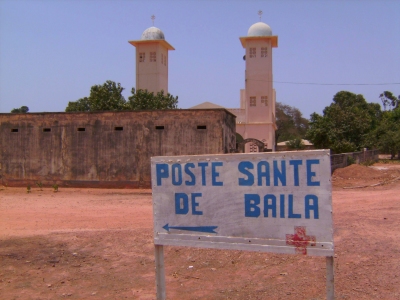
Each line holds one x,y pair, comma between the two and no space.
52,52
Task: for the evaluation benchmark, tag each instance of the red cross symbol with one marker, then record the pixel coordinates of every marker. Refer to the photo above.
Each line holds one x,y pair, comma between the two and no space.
300,240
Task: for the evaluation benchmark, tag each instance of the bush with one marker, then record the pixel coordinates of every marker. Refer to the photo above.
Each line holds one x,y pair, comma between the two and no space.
296,144
350,160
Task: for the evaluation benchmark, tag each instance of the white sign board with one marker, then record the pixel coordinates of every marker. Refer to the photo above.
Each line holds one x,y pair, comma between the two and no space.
274,202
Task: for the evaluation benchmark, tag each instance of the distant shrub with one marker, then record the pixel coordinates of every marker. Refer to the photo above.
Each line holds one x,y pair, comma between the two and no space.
40,185
296,144
350,160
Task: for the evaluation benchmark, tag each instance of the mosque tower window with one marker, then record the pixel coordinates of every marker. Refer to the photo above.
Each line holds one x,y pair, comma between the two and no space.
253,101
162,58
253,147
252,52
152,56
264,51
264,100
142,56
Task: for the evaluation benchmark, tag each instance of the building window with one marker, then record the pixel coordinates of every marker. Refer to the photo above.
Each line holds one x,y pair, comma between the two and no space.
46,129
201,127
264,51
81,129
162,58
264,100
14,129
252,52
118,128
152,56
253,147
142,56
165,60
252,101
161,127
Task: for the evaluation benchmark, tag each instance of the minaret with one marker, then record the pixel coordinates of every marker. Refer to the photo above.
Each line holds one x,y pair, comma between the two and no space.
258,98
152,60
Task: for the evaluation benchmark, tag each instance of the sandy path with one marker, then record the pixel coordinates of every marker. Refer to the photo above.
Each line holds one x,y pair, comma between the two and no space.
97,244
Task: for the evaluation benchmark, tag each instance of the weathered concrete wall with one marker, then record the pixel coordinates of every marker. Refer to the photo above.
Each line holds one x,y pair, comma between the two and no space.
345,159
107,149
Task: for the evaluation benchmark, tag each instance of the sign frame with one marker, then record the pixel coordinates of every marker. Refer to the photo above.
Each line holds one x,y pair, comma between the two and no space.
222,201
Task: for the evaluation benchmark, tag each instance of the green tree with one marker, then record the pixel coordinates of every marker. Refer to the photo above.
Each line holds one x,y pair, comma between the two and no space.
22,109
386,137
106,97
295,144
389,100
82,104
290,122
142,100
345,124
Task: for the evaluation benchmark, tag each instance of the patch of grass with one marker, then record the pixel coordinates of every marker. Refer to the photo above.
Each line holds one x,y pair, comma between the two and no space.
367,163
55,187
40,185
390,161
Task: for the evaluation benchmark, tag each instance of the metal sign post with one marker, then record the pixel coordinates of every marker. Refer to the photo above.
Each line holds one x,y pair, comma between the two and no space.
270,202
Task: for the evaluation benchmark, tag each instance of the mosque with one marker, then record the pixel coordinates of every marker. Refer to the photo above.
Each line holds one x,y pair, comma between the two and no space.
113,148
255,118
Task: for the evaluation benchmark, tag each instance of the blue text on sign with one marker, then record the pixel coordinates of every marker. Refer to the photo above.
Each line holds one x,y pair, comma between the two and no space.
262,170
252,209
176,174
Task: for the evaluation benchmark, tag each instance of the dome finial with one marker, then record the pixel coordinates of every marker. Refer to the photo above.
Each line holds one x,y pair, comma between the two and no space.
153,17
260,14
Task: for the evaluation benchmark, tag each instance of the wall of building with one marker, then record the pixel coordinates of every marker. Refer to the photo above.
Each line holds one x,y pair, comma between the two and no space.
105,149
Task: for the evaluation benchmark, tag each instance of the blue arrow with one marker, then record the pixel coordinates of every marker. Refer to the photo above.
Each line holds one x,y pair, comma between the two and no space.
209,229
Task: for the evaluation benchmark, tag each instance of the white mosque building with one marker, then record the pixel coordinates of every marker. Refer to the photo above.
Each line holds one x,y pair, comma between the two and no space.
255,118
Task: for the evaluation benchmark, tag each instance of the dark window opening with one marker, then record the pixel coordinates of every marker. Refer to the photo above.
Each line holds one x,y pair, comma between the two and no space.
46,129
14,130
202,127
118,128
159,127
81,129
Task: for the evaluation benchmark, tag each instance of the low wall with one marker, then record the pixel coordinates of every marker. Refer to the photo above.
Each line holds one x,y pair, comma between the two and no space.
343,160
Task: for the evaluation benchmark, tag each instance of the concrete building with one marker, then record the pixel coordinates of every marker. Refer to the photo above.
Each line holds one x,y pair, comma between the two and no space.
105,149
111,149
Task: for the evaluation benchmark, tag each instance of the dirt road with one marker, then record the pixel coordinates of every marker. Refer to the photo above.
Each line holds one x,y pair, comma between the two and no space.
97,244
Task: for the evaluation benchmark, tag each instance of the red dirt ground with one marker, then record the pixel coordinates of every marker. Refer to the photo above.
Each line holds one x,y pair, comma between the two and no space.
97,244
